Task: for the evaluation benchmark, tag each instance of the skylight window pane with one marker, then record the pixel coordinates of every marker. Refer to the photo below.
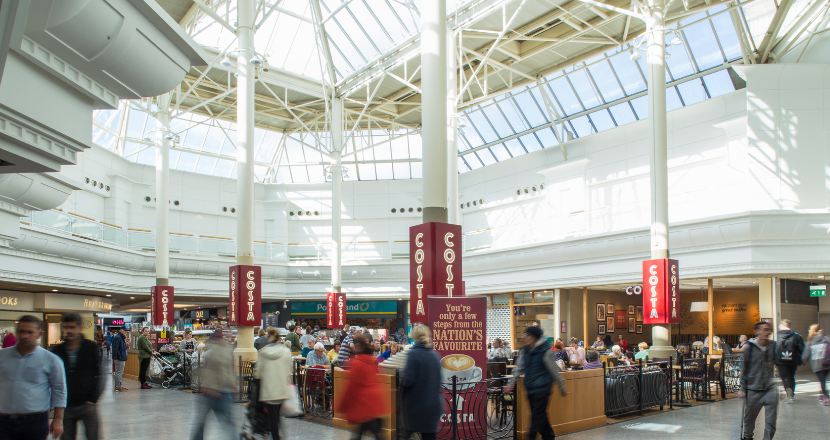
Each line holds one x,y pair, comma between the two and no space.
147,157
565,95
547,138
410,18
486,157
383,151
692,91
584,89
498,122
417,170
227,148
234,171
223,167
316,173
538,97
529,109
106,140
602,120
109,118
718,83
213,142
622,114
390,23
205,165
479,125
400,148
131,147
500,152
350,53
195,137
530,142
299,174
174,158
462,166
187,161
369,24
640,107
367,171
384,171
515,147
401,170
517,122
704,47
582,126
356,35
672,100
606,81
135,124
628,73
680,63
474,161
294,151
414,145
727,36
284,175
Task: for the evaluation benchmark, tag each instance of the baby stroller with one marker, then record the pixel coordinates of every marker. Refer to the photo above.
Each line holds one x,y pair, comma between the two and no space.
256,419
165,372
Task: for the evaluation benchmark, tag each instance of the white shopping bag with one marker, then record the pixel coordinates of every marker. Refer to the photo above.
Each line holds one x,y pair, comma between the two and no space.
291,407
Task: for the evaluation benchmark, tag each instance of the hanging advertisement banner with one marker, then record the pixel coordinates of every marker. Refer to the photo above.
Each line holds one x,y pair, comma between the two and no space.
434,265
661,294
336,310
245,296
458,327
161,305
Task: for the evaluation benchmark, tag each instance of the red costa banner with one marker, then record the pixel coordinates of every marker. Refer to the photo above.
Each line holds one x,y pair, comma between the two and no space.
434,265
245,301
661,294
459,330
335,310
161,305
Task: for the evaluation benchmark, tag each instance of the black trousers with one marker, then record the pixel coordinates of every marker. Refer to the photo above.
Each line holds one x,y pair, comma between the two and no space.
373,426
539,423
822,378
274,419
787,373
34,427
142,373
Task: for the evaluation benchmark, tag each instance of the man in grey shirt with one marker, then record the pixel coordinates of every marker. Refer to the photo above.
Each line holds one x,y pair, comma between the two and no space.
33,382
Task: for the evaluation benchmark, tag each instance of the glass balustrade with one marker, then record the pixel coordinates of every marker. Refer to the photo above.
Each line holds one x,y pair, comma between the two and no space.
113,235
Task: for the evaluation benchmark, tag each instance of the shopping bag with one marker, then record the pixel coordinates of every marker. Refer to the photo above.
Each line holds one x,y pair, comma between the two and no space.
155,368
291,407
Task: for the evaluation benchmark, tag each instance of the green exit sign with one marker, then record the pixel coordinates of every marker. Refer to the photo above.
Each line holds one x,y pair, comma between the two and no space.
818,290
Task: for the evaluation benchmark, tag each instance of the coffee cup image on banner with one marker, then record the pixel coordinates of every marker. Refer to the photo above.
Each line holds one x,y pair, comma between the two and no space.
461,366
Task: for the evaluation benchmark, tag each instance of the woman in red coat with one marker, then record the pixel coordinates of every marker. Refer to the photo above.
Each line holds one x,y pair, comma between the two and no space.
362,403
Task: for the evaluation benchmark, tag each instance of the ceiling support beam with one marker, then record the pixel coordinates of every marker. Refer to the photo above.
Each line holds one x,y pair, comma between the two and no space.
772,31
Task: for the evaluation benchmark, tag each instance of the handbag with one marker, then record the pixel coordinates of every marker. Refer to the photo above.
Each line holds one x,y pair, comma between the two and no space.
826,361
291,407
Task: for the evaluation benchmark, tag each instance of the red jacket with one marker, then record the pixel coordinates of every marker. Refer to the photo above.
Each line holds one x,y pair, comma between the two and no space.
362,401
623,344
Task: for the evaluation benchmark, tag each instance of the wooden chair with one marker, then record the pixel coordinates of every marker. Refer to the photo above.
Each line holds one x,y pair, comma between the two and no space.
496,370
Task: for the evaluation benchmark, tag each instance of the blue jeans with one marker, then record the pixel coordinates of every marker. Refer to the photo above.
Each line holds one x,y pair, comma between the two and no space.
34,427
221,409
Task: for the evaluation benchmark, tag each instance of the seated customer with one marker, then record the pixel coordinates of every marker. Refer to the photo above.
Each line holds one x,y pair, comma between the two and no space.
559,352
643,353
317,356
598,344
376,348
577,353
499,352
593,361
309,348
332,354
616,352
393,348
628,359
742,341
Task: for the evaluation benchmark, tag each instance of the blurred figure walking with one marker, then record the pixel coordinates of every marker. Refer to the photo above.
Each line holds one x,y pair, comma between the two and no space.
33,381
362,403
119,357
421,386
217,381
815,355
273,369
538,365
84,379
789,347
758,382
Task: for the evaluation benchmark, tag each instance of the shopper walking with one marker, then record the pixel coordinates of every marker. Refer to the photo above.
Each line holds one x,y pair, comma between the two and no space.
758,382
217,382
816,353
362,404
293,339
145,353
421,405
108,342
84,379
345,332
273,369
788,357
262,340
33,381
538,365
119,357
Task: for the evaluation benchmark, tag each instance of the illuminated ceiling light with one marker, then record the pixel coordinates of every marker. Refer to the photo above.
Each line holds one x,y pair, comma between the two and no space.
821,276
132,297
676,41
54,290
109,294
635,56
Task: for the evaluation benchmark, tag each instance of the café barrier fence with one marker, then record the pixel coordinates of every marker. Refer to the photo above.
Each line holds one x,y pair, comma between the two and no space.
315,386
487,395
635,388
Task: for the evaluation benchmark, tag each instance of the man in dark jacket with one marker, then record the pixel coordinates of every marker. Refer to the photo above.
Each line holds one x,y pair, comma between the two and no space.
421,405
788,356
84,379
758,382
538,365
119,357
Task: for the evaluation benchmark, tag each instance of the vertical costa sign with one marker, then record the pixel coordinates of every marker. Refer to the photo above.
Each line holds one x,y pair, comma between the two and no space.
335,310
245,296
434,265
661,294
161,305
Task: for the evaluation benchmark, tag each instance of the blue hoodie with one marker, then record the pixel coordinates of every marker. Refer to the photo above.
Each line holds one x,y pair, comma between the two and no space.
119,348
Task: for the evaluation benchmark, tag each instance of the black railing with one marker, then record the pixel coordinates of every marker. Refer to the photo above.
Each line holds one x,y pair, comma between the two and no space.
315,387
637,387
461,404
245,376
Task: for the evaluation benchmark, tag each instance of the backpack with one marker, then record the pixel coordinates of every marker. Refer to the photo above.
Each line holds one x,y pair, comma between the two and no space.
826,361
786,351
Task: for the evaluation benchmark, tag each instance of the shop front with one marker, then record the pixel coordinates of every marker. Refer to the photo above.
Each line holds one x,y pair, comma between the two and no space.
13,305
379,316
55,305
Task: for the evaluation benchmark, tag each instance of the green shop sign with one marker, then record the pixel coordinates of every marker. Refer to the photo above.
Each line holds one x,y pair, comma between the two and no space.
818,291
352,307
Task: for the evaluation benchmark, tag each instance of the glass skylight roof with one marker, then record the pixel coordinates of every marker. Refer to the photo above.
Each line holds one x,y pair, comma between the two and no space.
601,93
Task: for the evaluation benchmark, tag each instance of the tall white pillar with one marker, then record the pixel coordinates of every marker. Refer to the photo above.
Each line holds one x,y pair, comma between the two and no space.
336,186
434,108
557,313
162,191
453,214
655,23
245,159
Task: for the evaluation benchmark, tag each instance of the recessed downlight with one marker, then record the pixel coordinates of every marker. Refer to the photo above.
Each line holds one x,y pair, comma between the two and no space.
54,290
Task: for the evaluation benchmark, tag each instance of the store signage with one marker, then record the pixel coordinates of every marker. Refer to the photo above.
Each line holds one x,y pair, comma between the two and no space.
9,300
336,310
245,302
434,265
306,308
161,305
661,299
199,314
458,327
816,291
97,304
633,290
113,321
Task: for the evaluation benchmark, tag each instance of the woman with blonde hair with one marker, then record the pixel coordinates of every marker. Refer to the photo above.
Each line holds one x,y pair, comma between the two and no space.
273,369
421,405
816,354
642,353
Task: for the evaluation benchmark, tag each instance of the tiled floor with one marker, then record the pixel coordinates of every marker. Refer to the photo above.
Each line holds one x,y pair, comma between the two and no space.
162,414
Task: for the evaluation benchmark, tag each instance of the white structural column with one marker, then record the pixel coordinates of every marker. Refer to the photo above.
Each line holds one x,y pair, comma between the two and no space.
336,187
655,22
162,192
453,214
245,159
434,108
